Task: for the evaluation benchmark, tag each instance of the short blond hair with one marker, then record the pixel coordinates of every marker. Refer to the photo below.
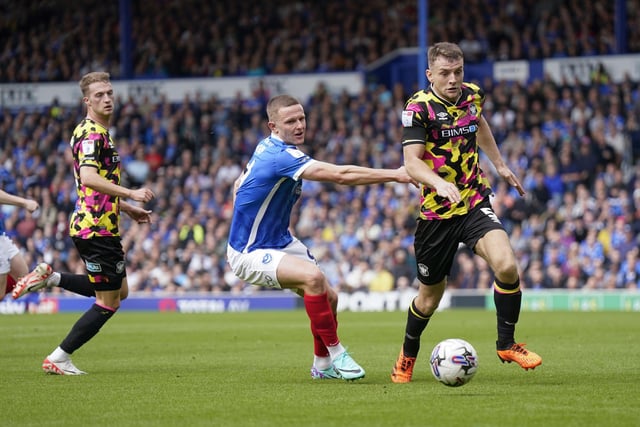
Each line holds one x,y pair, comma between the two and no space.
277,102
450,51
93,77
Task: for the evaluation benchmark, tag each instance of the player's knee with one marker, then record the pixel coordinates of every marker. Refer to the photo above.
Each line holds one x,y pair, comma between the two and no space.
506,272
429,296
116,291
108,300
315,281
427,306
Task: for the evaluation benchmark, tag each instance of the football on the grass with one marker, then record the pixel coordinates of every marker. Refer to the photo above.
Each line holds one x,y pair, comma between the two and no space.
454,362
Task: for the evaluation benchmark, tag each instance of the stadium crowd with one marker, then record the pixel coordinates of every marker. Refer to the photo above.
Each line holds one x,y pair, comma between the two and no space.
576,148
60,40
577,227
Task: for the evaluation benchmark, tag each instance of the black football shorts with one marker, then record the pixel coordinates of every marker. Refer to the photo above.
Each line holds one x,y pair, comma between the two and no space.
437,241
104,260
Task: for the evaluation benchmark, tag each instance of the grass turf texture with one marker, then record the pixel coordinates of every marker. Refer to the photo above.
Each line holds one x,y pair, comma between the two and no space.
252,369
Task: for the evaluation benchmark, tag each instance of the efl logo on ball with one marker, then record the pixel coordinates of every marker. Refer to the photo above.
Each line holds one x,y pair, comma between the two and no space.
454,362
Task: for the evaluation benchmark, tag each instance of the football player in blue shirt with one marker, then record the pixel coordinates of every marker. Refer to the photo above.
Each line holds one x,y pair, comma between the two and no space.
12,264
263,252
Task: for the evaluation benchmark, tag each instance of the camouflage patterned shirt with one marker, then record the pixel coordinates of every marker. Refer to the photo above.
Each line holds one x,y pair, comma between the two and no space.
95,214
448,132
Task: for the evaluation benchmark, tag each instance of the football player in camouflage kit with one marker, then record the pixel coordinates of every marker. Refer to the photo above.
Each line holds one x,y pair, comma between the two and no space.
443,130
94,225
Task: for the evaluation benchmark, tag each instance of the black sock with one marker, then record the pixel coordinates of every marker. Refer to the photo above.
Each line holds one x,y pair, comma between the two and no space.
416,323
507,298
77,283
86,328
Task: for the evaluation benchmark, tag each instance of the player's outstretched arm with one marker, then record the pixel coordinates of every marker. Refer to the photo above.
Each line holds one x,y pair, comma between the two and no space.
354,175
10,199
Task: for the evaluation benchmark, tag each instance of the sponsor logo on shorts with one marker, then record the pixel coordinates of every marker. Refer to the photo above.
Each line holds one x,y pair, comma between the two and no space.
266,259
270,282
94,267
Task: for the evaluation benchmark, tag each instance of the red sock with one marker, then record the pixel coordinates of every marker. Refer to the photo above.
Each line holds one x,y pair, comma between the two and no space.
323,322
11,283
319,349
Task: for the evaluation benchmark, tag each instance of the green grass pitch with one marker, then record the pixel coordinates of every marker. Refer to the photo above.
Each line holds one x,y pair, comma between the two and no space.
252,369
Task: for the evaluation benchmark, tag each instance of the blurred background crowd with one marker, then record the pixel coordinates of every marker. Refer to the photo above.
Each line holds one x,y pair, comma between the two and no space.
575,147
60,40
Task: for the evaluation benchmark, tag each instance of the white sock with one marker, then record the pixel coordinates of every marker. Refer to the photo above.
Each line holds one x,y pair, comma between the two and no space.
59,355
53,280
321,363
336,350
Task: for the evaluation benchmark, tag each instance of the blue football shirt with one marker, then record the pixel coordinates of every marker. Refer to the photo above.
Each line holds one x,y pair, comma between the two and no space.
270,187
